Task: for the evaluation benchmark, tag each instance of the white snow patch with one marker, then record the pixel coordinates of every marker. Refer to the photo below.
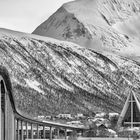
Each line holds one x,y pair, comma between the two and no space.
100,115
112,67
111,131
20,61
34,85
112,114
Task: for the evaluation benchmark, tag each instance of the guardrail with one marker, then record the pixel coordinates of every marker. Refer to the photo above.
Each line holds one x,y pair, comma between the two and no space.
15,125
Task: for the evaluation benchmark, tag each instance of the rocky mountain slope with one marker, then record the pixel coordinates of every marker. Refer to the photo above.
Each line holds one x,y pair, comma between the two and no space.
51,76
102,25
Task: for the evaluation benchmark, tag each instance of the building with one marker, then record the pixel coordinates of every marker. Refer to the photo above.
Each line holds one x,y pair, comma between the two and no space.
66,116
79,116
113,114
40,117
100,115
130,115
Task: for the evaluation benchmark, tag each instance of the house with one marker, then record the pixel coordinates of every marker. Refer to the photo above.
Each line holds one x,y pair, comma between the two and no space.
102,127
100,115
48,117
66,116
41,117
80,115
102,130
113,114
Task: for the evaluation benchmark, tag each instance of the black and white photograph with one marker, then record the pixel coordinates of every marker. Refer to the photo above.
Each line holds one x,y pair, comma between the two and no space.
70,69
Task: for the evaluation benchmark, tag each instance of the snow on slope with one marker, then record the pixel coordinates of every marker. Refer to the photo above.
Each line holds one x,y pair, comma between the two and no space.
131,30
90,23
65,77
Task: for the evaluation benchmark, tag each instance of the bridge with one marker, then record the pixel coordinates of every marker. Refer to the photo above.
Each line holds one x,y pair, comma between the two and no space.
16,126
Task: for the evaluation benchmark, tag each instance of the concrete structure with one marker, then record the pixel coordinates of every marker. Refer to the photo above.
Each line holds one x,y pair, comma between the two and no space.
17,126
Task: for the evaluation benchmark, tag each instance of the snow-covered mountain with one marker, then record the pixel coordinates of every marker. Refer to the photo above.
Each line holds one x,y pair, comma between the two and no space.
94,73
52,76
102,25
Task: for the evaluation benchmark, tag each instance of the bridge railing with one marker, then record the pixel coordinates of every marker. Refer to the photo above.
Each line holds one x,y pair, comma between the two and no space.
16,126
29,129
26,128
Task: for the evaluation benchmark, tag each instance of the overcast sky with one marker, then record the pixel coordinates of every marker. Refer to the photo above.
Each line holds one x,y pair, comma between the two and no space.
26,15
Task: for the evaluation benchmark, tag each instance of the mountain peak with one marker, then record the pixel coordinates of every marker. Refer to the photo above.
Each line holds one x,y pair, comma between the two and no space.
93,24
85,11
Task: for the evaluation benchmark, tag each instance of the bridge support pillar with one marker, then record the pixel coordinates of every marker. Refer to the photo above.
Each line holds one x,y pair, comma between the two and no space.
32,135
17,130
0,113
37,131
21,130
65,131
44,132
50,132
58,134
26,130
